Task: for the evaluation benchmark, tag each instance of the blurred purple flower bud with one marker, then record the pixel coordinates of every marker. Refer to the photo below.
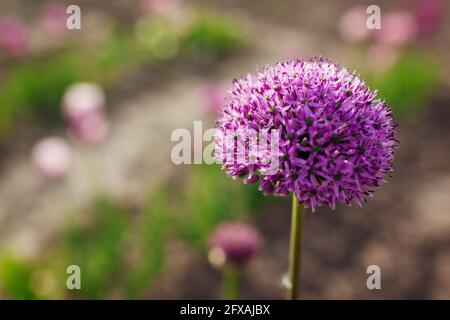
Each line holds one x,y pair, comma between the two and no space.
237,241
52,157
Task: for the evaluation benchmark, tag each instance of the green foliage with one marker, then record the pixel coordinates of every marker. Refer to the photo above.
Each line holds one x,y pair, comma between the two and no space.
120,52
157,37
35,89
99,242
97,248
152,228
409,84
15,278
213,36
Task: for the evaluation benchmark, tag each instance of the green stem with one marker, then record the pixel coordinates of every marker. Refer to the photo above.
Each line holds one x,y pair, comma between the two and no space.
231,283
295,248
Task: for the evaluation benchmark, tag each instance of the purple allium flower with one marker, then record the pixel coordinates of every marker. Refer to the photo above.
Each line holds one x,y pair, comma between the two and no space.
237,241
337,138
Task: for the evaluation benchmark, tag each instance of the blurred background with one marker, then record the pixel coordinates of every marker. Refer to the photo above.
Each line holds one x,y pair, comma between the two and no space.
86,177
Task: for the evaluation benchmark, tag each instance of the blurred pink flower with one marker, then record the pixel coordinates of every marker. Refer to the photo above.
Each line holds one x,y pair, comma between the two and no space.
82,99
14,37
91,129
237,241
429,15
84,108
54,17
159,6
213,96
398,28
352,25
52,157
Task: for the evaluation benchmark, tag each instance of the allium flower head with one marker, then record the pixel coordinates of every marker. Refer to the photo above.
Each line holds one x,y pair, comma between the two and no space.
336,138
237,241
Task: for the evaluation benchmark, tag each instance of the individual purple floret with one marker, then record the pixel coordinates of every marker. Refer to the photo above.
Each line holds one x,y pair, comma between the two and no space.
237,241
336,138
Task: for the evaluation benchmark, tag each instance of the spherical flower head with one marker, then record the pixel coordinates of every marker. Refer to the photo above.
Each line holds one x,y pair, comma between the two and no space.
336,138
52,157
236,242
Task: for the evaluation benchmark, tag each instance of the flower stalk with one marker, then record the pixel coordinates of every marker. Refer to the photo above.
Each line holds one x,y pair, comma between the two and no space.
231,283
295,248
